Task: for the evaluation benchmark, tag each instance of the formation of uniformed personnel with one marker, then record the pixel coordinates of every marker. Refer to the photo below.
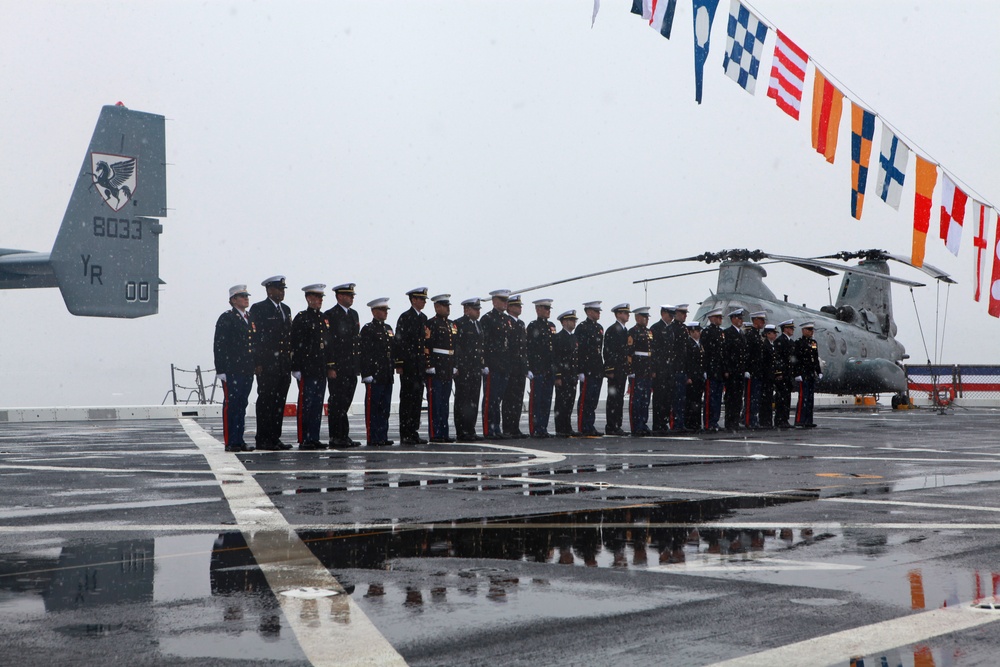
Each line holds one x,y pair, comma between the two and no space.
345,326
376,365
783,345
735,365
470,366
755,369
497,328
411,362
271,324
807,371
769,366
694,371
663,382
567,373
590,339
616,368
713,342
541,334
234,365
440,334
639,352
677,338
312,365
513,399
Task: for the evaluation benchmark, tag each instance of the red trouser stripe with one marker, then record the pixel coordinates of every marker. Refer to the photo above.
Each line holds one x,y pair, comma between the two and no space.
430,408
579,406
708,404
631,406
746,402
798,408
531,407
298,414
368,412
225,413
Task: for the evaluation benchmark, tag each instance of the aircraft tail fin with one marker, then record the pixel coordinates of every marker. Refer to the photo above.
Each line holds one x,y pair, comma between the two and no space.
106,255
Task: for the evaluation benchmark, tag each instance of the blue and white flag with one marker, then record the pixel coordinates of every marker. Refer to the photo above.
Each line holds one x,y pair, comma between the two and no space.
744,46
704,14
663,16
891,168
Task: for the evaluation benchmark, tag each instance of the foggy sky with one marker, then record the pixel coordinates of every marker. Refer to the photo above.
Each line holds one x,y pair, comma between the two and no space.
467,147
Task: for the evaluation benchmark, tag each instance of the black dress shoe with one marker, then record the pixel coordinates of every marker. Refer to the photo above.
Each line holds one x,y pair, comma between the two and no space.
246,447
541,435
309,446
440,441
384,443
268,446
421,441
234,448
614,431
409,441
282,446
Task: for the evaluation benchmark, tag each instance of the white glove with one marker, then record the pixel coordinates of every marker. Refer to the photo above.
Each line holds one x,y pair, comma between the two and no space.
454,371
486,371
297,375
432,371
631,376
746,374
221,376
531,376
368,379
579,377
704,376
819,377
798,378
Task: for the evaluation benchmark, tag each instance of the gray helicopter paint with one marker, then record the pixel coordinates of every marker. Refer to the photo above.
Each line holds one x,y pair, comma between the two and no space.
105,260
857,356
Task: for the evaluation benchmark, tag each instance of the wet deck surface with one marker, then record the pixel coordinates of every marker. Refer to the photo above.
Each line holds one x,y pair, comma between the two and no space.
143,543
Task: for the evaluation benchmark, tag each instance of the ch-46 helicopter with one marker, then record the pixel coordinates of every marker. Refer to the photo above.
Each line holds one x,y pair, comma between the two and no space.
105,260
856,335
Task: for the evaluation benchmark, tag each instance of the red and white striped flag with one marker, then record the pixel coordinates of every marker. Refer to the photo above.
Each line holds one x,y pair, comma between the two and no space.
995,282
980,215
788,75
953,202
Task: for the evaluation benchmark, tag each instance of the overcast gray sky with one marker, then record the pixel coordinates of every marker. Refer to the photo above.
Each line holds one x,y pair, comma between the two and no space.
466,146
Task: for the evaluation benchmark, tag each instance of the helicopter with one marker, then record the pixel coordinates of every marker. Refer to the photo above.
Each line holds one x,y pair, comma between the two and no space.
858,349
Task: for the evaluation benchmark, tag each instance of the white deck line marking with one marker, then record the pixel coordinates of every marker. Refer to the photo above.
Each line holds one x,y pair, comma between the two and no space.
103,507
331,631
840,647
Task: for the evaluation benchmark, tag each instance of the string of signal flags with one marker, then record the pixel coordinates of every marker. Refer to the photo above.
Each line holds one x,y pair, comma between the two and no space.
746,34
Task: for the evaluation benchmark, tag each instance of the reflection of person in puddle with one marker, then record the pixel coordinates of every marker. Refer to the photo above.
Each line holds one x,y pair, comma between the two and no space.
234,575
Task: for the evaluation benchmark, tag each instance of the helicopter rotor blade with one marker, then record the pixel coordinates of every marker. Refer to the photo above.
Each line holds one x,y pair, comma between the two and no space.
932,271
841,269
676,275
602,273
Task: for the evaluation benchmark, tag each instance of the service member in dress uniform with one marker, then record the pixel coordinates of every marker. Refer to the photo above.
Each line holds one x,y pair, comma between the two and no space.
469,362
713,342
769,365
783,346
807,372
694,369
541,368
440,335
234,365
271,323
411,362
678,340
513,399
616,368
498,329
639,352
312,365
663,385
590,339
345,325
753,391
376,364
567,373
735,364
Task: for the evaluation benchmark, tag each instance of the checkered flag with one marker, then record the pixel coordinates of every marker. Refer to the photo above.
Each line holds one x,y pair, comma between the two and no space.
744,46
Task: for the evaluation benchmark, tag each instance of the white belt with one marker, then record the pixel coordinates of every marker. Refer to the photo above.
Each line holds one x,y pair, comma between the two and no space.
642,354
438,350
